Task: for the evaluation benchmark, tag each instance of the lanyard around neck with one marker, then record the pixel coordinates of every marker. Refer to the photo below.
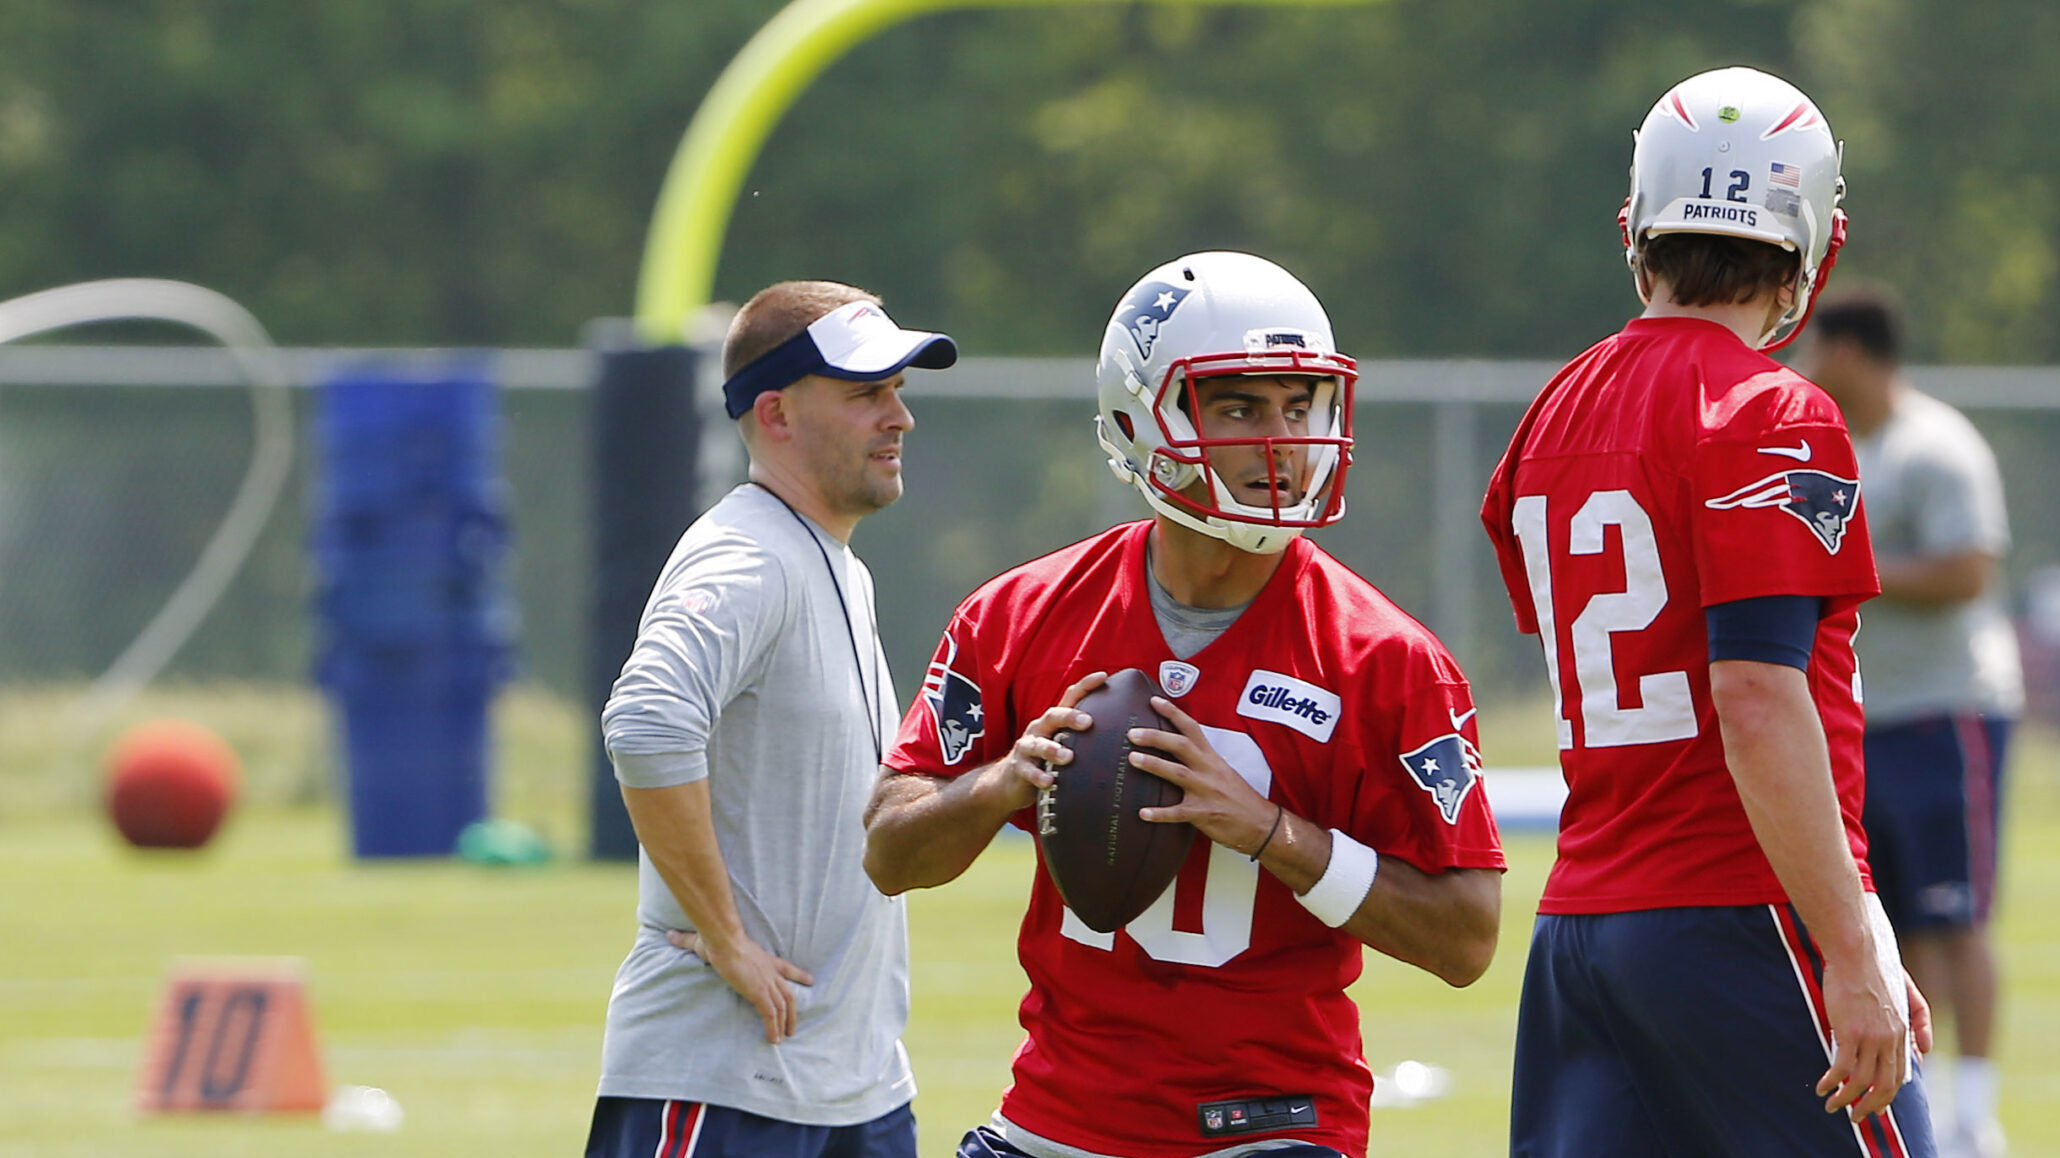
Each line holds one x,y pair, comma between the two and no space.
867,690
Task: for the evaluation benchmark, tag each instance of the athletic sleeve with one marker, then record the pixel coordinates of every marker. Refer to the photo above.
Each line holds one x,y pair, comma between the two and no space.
1776,510
708,630
1769,629
1424,800
960,719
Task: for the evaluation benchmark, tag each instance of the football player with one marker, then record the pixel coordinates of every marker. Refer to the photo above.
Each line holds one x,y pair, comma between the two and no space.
1324,739
1678,519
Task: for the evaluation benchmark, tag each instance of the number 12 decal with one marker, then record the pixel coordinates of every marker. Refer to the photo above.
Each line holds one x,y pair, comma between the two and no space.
1740,182
1668,711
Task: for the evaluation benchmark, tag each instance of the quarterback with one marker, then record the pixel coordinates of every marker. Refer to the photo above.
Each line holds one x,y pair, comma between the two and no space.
1678,520
1324,739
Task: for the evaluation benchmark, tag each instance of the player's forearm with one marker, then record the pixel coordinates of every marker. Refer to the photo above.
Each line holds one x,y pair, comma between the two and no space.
1935,580
676,826
1774,746
1445,923
922,831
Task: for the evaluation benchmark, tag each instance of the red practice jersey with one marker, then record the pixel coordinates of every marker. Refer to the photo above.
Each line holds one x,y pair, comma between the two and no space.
1668,469
1325,697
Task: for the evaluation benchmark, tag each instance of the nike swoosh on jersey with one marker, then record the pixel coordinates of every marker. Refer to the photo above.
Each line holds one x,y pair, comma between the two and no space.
1800,453
1459,719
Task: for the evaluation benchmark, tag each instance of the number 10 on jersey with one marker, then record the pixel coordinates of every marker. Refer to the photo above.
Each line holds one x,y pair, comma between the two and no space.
1666,708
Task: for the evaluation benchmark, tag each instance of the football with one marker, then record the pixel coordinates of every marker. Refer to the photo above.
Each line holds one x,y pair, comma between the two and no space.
1110,865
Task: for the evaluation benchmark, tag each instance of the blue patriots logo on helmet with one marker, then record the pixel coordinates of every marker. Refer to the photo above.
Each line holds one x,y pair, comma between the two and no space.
1146,309
955,706
1447,768
1823,502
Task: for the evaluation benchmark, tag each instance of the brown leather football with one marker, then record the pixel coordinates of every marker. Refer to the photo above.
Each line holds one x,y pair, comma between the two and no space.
1109,864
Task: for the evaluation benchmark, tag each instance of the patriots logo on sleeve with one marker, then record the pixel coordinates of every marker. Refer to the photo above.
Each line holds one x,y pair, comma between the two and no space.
1823,502
955,705
1147,309
1447,768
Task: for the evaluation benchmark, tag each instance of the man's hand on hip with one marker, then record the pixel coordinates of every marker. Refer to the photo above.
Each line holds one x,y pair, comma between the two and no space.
758,977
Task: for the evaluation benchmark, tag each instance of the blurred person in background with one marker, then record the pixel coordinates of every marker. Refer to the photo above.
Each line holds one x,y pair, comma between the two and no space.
1943,684
761,1007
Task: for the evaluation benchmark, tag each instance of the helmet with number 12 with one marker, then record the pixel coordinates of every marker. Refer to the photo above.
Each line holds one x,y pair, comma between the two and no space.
1745,154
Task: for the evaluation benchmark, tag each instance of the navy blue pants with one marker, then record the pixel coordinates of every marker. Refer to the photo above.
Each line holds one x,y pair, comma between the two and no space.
651,1128
1685,1033
982,1142
1934,796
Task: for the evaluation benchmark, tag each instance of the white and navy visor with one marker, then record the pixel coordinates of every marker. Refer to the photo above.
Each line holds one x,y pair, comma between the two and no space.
856,341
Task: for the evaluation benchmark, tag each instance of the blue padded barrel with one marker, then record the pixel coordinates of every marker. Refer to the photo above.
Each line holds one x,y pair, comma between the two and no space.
417,623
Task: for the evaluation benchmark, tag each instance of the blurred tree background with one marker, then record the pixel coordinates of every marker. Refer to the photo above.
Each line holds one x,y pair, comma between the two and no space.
1444,175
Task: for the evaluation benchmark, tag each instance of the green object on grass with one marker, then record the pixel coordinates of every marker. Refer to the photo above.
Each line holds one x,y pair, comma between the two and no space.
502,842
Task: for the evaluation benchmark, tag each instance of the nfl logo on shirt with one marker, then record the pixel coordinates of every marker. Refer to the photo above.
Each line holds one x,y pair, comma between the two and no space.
1178,678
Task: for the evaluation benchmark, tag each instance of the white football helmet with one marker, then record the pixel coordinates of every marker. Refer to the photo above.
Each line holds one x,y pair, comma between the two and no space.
1742,153
1211,315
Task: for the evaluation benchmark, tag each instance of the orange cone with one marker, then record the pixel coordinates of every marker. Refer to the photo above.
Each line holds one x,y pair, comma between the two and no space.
232,1034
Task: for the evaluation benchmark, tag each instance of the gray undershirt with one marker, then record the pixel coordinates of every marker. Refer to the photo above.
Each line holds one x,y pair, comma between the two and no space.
1188,629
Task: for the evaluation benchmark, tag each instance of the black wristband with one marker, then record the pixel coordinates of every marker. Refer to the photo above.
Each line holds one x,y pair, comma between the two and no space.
1280,811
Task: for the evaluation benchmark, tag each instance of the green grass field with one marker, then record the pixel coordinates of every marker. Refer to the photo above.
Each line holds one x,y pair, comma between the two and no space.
475,996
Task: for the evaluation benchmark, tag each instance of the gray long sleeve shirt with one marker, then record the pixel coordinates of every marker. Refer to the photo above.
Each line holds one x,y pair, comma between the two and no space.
744,674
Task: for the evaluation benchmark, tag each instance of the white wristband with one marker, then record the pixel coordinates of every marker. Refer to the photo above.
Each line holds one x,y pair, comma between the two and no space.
1345,882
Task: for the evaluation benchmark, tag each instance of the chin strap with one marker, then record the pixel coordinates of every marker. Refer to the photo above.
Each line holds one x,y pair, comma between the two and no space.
1631,254
1253,538
1823,279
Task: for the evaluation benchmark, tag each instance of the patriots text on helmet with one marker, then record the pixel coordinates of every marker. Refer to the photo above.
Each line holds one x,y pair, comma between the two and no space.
1734,213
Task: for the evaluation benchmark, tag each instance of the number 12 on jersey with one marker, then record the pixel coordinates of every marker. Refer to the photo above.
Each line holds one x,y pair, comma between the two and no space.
1666,708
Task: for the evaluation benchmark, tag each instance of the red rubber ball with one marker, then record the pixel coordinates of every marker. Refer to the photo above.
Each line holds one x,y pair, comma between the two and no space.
170,783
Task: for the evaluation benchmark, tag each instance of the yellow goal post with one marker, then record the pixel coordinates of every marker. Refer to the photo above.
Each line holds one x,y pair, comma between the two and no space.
731,125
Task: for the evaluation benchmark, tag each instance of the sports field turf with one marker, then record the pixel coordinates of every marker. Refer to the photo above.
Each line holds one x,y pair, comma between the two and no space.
475,995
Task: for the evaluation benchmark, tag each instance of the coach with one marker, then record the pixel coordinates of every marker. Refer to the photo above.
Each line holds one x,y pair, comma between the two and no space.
761,1007
1943,682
